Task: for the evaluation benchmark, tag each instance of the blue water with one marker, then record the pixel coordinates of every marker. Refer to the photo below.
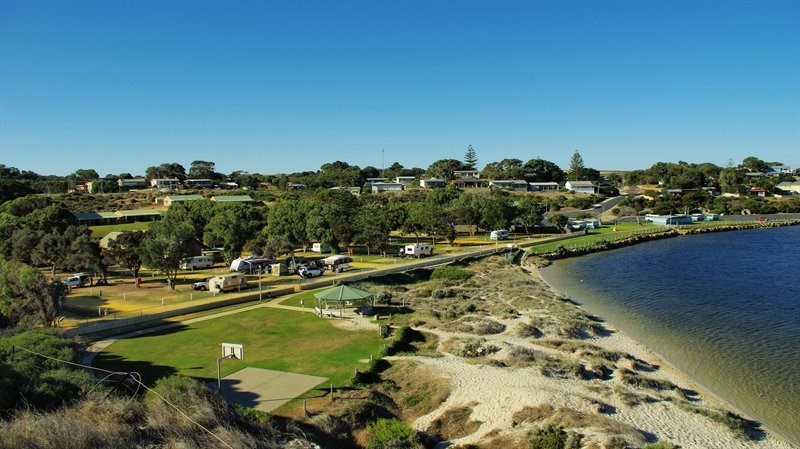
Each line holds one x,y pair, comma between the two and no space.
724,308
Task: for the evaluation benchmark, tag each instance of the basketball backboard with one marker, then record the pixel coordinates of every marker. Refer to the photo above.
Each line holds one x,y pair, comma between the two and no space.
233,350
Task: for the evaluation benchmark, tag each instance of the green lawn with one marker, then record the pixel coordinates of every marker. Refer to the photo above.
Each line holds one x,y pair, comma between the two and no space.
607,233
273,339
101,231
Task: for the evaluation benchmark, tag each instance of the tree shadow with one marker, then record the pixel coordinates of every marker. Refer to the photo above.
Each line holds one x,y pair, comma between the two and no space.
148,371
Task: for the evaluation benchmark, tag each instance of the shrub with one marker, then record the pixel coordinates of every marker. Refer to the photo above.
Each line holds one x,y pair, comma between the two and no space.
547,438
450,273
391,433
440,293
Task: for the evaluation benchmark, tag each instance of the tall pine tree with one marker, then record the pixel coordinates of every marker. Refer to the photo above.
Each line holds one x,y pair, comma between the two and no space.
470,159
576,167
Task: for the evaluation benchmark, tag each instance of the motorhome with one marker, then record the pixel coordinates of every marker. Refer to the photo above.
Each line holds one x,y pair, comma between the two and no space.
227,282
337,263
417,250
197,263
321,248
500,234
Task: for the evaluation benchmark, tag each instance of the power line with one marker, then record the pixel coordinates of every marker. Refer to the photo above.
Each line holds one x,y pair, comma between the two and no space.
136,377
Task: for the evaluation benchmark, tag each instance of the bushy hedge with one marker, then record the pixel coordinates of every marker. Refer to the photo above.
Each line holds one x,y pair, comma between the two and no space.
391,433
450,273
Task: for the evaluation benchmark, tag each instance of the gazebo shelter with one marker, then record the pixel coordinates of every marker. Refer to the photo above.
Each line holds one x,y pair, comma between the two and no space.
343,296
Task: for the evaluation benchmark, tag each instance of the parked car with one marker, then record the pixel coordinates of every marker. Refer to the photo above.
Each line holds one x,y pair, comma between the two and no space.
201,285
762,219
309,271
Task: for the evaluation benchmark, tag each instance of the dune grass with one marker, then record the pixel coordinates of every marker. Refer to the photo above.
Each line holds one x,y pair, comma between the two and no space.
273,339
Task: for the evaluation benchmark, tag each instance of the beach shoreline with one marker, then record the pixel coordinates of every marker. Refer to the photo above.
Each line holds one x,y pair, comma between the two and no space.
613,386
698,385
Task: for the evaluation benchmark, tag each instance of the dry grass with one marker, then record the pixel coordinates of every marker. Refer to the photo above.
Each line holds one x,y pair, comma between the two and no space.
454,423
418,390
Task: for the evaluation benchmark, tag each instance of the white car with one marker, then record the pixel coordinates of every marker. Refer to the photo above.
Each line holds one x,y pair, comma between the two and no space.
309,272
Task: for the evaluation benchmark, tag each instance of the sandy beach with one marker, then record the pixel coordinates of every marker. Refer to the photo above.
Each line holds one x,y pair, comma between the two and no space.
541,360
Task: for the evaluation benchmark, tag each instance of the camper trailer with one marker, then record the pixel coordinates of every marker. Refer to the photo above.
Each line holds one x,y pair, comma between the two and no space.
78,280
417,250
252,265
227,282
321,248
197,263
337,263
500,234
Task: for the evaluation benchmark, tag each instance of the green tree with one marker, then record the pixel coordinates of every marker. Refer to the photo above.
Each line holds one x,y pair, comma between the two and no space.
203,170
540,170
124,250
167,170
287,219
576,167
470,159
233,226
277,245
559,221
85,174
505,169
165,245
26,297
33,382
530,212
444,169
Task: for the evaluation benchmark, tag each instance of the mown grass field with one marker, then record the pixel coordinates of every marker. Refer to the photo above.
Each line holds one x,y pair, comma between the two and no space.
274,339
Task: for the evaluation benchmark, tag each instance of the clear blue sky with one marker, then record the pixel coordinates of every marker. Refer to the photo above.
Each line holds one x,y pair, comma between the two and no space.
273,87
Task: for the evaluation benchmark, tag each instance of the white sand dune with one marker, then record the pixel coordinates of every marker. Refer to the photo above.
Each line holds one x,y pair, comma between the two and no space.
496,393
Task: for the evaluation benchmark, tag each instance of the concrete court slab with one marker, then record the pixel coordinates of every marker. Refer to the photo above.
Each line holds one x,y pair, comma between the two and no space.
265,389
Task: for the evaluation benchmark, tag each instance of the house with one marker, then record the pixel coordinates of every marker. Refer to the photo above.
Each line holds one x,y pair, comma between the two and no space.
172,199
133,183
198,184
405,180
85,187
514,184
468,182
229,185
295,186
137,215
432,183
543,186
790,187
581,186
378,187
467,174
758,191
780,170
165,183
232,199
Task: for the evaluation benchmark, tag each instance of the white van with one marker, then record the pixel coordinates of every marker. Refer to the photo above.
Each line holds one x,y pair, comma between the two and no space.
337,263
197,263
500,234
417,250
227,282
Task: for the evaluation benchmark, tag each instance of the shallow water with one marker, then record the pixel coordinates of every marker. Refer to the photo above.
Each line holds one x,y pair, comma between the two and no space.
724,308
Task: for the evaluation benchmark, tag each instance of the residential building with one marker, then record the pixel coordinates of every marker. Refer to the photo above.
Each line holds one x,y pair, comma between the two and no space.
172,199
133,183
467,173
468,182
543,186
405,180
198,184
432,183
581,186
378,187
165,183
513,184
